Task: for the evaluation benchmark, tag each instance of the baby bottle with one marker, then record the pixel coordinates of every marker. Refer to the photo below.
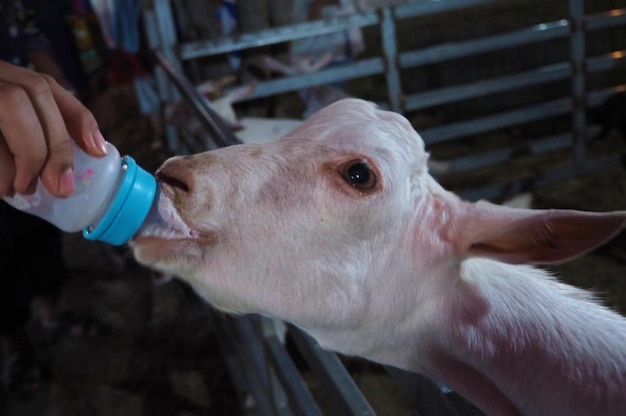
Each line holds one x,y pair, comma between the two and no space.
112,198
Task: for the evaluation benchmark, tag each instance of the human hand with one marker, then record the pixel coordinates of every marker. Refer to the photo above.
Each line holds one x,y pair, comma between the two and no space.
38,121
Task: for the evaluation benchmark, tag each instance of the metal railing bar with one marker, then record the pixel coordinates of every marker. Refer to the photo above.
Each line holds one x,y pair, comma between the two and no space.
375,66
422,393
489,86
197,49
428,7
265,37
453,50
256,347
154,42
483,159
299,395
190,144
537,146
229,351
597,97
329,370
345,72
578,168
535,76
605,62
166,32
264,406
220,132
492,122
541,179
390,52
257,356
229,326
578,82
611,19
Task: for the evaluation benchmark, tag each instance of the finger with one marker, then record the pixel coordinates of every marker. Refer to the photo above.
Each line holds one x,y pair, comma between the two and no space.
7,169
39,90
80,122
57,173
57,149
24,139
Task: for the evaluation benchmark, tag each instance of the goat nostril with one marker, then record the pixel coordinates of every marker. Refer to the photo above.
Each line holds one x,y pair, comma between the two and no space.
172,181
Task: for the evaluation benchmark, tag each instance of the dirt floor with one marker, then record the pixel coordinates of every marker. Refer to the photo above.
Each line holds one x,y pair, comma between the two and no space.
158,354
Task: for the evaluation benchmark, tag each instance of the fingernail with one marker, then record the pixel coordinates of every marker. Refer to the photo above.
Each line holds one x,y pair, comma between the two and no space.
66,182
100,142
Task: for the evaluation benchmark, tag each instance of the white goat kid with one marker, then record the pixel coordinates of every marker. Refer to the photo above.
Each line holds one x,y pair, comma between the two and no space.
339,228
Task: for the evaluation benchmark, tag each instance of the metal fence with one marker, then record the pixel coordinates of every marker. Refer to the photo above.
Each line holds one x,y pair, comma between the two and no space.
253,346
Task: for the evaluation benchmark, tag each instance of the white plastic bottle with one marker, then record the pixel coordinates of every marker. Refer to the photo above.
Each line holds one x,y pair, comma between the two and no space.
112,198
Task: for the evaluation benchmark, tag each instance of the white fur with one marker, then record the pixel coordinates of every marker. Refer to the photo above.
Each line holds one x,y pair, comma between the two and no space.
404,274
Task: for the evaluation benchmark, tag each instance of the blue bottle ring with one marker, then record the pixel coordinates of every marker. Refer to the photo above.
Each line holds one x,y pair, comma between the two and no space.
129,207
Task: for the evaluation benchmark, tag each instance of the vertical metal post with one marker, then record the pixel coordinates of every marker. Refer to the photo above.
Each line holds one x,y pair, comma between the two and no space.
167,32
159,29
152,36
186,31
390,50
577,53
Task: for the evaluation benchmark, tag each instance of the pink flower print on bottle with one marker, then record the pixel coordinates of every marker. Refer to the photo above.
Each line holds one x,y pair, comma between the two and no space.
83,178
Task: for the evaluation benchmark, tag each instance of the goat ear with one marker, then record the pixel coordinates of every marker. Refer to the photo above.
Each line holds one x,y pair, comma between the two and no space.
528,236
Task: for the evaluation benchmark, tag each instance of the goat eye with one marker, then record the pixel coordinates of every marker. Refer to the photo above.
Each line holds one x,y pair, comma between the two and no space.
360,175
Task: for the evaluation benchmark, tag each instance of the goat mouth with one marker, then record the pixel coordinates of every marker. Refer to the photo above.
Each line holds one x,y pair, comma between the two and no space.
165,223
166,240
